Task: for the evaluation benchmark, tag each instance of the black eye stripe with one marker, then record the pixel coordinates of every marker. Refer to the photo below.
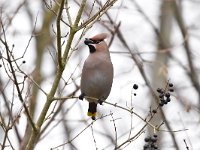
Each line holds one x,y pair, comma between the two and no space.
97,41
92,48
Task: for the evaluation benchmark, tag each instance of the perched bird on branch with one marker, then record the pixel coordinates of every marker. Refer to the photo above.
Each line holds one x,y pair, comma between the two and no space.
97,73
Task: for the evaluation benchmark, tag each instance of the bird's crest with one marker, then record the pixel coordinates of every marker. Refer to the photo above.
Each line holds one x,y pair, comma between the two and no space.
99,37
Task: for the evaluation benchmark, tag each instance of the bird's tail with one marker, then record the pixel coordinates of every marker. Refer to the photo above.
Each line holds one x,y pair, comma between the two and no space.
92,110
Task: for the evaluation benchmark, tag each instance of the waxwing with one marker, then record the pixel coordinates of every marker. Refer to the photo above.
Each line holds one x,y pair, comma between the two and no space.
97,73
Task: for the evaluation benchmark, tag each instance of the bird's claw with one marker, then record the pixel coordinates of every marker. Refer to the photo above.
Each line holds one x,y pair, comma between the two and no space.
100,101
81,97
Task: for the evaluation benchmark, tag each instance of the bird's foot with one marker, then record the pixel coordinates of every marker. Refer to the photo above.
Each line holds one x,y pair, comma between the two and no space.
81,97
100,101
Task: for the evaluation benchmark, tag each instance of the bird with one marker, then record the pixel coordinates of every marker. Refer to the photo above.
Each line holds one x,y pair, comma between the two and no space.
97,73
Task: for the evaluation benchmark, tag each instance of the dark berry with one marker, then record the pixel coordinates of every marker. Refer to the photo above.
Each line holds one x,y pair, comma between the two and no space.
154,111
171,85
155,135
165,102
167,94
162,100
155,147
134,94
147,139
146,146
153,139
151,142
135,86
23,61
161,95
159,90
161,104
168,99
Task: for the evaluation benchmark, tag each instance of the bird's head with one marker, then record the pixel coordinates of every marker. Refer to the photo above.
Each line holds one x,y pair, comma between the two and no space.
97,43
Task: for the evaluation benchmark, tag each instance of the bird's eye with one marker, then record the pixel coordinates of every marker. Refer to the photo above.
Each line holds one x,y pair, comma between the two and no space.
97,41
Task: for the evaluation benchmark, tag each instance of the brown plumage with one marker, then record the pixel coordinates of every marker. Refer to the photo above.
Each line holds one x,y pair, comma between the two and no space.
97,73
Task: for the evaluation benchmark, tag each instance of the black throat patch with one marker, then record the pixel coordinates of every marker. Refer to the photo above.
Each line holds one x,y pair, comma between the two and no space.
92,48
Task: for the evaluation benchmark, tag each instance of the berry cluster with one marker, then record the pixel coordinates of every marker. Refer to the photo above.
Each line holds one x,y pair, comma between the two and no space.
151,142
164,95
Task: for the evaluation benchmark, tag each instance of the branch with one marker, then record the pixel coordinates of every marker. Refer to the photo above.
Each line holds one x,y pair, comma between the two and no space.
35,134
59,48
78,16
194,76
115,105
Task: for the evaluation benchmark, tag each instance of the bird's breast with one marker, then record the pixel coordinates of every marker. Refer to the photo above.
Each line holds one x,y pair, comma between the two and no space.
97,78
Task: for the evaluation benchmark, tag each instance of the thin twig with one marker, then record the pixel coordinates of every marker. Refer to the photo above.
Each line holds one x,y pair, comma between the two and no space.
15,80
95,142
97,15
187,147
69,141
115,128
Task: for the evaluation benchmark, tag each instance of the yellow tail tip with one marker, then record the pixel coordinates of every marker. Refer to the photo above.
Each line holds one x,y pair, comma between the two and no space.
92,114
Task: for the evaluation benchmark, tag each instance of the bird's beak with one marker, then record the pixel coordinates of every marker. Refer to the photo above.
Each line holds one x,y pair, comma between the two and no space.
88,41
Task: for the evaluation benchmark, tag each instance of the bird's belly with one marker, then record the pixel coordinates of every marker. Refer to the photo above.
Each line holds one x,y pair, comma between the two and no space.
98,85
